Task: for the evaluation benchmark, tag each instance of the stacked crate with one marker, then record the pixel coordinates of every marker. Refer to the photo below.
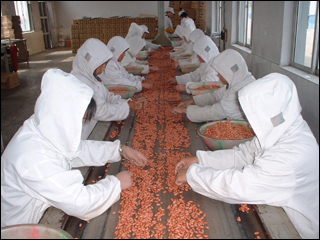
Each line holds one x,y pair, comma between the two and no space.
106,28
10,27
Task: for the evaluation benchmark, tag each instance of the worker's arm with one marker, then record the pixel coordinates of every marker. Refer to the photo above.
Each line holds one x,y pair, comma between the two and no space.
267,180
97,153
113,74
207,113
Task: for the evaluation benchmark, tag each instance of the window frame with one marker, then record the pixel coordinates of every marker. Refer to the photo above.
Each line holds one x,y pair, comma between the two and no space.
314,69
31,25
244,40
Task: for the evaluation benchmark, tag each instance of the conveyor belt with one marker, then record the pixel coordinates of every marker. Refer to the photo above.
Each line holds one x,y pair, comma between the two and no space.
221,218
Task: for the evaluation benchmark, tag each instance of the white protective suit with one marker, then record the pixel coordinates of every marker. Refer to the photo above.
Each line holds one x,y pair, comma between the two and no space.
279,167
187,21
134,30
188,48
177,32
136,44
149,44
223,103
92,54
36,165
194,35
114,72
207,50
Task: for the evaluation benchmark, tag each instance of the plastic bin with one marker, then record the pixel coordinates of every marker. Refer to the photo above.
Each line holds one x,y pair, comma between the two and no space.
33,231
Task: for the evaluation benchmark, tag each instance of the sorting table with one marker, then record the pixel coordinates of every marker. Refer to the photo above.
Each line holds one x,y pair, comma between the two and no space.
220,219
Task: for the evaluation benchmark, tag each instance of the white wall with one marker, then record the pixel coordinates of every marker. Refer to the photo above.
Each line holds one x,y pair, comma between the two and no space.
67,11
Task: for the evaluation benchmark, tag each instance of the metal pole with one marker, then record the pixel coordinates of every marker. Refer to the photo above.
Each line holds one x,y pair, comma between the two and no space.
161,38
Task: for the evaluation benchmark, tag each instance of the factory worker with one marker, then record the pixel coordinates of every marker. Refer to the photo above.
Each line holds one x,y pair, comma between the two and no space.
185,20
88,64
134,30
206,51
36,166
194,35
151,46
167,21
136,44
115,73
188,48
177,32
279,167
222,103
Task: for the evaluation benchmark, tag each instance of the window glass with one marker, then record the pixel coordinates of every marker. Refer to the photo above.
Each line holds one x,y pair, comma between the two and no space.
22,10
306,52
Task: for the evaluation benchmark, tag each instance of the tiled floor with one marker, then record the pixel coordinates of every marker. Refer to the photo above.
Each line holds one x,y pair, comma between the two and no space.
17,104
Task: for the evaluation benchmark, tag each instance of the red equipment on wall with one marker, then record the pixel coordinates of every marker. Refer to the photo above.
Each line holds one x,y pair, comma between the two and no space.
14,58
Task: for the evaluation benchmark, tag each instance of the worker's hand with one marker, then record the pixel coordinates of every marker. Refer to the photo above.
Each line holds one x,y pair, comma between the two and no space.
153,68
181,88
175,62
186,103
125,178
137,104
147,84
185,163
161,48
181,177
135,157
172,81
178,110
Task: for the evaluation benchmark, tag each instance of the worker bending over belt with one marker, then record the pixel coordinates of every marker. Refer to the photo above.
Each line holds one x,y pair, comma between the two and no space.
222,103
89,62
115,73
278,167
206,50
36,166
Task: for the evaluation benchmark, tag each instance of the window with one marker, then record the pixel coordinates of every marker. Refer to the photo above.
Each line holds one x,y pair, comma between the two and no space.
244,23
23,9
306,37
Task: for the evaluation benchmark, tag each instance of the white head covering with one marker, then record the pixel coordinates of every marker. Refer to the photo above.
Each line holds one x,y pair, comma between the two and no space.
196,34
91,55
187,31
117,46
144,28
206,49
170,9
59,110
136,44
231,65
134,30
271,105
178,30
181,13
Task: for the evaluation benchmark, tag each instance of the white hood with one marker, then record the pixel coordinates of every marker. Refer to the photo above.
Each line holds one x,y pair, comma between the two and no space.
196,34
136,44
231,65
52,116
134,30
144,28
270,117
92,54
187,31
117,46
206,49
178,31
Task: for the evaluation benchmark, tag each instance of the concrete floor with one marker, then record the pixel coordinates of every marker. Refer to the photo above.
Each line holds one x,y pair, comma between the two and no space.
17,104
